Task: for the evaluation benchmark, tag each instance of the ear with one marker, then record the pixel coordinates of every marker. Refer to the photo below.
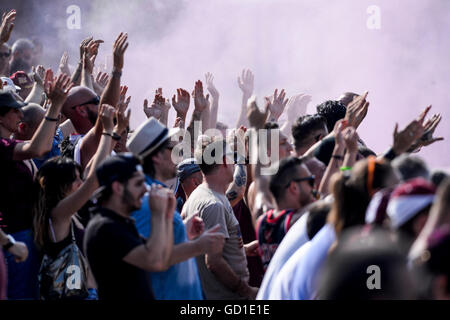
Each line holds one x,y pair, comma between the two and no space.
22,127
117,187
81,111
293,187
157,158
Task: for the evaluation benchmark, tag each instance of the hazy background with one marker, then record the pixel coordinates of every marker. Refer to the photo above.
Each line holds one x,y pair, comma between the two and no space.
319,47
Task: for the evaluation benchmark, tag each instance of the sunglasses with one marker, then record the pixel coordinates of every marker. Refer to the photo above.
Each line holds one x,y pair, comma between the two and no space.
95,101
310,180
5,54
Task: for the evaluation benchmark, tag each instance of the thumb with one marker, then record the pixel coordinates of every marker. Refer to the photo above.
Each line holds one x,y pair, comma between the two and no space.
396,129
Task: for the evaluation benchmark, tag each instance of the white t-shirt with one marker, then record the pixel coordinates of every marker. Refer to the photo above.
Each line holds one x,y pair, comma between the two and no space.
308,265
294,239
282,283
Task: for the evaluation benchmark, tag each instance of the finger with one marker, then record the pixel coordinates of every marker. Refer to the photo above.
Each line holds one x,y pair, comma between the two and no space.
424,114
145,103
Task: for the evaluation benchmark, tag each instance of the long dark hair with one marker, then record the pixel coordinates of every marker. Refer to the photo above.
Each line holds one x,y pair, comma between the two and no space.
54,179
353,192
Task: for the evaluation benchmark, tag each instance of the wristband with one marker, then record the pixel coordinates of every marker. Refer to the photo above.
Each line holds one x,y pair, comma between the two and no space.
337,157
345,168
51,119
116,73
113,135
390,155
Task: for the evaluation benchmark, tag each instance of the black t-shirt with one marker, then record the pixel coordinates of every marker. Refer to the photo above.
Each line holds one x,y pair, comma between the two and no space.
109,237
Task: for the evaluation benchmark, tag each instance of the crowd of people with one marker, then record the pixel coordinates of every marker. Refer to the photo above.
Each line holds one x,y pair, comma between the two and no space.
265,209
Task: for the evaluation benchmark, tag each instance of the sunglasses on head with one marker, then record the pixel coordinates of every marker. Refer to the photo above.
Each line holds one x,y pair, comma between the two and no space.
95,101
310,180
5,54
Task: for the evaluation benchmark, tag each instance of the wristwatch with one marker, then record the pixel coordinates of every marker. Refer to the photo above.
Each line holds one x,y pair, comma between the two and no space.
113,135
11,242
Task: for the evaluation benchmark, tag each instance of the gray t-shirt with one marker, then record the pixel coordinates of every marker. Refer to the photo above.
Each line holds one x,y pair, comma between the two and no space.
214,208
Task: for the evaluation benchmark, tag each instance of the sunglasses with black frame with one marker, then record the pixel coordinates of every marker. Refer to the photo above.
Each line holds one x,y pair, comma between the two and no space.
95,101
311,179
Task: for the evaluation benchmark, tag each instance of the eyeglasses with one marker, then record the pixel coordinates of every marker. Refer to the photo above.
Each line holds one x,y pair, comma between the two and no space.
95,101
5,54
310,180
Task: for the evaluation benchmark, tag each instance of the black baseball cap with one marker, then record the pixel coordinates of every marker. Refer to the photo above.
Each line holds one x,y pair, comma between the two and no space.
120,167
7,100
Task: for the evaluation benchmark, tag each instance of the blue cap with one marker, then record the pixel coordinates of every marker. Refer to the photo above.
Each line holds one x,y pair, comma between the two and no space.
187,167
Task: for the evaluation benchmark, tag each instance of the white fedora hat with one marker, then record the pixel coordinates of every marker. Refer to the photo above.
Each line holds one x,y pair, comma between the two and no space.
149,136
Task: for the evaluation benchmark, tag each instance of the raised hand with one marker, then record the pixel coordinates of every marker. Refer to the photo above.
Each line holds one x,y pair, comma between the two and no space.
357,110
7,25
351,139
123,104
64,64
123,121
246,82
297,105
91,44
200,101
427,138
102,79
58,88
209,78
119,48
413,131
277,104
107,117
151,111
338,130
181,103
38,75
256,118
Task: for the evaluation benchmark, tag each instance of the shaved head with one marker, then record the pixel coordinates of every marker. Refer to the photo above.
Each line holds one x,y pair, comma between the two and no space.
77,95
32,117
83,117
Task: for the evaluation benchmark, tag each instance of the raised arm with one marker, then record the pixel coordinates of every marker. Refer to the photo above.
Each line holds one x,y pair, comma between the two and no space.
404,139
337,157
36,92
63,212
181,105
351,145
296,107
200,104
41,143
276,103
236,190
245,83
110,96
89,55
215,100
7,25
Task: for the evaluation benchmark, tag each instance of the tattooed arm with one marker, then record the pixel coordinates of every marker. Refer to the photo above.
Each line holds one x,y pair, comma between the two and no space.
236,190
